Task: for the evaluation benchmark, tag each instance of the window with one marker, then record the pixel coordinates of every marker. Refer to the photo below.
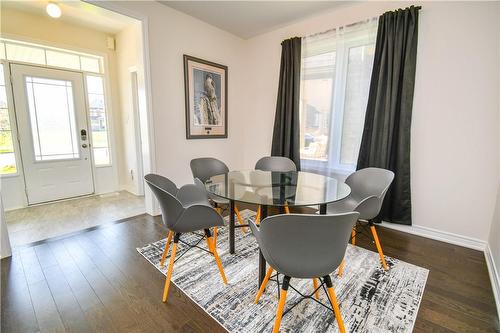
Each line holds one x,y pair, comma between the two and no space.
336,71
52,117
43,55
7,156
98,121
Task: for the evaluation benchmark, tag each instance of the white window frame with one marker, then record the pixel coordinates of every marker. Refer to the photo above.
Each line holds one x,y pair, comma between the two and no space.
104,73
338,108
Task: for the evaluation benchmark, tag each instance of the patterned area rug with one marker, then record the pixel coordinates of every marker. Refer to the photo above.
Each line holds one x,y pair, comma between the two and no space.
371,300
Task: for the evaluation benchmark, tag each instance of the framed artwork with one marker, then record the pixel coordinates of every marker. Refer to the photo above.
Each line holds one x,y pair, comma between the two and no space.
205,85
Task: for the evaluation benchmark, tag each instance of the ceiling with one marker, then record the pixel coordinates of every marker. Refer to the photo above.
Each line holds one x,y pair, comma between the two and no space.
77,12
248,19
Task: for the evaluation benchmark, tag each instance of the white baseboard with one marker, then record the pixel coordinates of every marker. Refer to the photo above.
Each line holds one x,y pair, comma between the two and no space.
494,276
443,236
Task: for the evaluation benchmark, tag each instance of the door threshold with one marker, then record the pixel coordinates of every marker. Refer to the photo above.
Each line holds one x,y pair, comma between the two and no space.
62,200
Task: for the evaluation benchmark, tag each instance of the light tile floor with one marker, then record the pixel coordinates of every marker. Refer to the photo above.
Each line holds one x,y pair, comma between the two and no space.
35,223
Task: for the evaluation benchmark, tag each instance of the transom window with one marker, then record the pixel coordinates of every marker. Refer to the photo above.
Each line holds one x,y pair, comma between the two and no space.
48,56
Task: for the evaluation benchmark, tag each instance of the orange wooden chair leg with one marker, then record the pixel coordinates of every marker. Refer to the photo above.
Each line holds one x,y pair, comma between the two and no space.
217,260
379,248
341,268
287,210
264,284
215,236
257,216
170,269
353,236
240,219
336,309
281,304
167,245
315,286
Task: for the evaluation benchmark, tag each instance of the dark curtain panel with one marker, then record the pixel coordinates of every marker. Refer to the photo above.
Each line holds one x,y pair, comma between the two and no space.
286,134
386,136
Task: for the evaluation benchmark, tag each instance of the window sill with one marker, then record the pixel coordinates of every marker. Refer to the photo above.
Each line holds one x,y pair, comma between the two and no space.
10,175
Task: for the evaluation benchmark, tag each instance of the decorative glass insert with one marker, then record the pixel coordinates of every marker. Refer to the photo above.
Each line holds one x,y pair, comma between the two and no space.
52,117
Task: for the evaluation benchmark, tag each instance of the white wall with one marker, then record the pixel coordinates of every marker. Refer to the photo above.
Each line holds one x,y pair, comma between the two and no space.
455,157
128,56
172,34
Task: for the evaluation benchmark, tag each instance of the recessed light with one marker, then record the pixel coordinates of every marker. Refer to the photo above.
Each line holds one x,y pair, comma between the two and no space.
53,10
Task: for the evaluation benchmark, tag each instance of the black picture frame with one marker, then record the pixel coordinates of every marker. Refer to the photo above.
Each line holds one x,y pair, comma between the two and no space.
216,123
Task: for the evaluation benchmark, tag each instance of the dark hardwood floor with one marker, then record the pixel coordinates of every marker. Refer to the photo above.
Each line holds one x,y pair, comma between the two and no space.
95,281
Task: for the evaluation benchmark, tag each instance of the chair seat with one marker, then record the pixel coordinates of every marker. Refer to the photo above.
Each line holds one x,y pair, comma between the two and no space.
218,200
346,205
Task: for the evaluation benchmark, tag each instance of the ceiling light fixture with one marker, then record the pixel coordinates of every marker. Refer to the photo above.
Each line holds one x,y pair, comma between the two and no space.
53,10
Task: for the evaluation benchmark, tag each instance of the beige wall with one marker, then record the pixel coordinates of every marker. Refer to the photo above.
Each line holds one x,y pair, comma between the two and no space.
47,31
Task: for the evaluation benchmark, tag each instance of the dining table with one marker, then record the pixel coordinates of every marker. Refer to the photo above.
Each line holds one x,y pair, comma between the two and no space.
274,189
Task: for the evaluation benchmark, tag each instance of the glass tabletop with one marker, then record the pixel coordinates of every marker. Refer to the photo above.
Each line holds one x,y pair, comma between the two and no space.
277,188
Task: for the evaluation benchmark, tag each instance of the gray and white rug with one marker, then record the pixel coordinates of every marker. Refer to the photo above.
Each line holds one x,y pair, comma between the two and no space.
371,300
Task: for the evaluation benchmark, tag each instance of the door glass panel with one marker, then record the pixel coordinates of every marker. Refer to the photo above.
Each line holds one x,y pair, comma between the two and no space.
52,117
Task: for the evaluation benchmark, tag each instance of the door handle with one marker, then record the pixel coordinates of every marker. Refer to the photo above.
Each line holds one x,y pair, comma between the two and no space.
84,145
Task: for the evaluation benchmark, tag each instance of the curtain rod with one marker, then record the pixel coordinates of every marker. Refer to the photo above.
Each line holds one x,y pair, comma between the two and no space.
347,25
342,26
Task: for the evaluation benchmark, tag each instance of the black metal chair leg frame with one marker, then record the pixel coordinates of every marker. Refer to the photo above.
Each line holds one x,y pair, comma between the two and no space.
192,245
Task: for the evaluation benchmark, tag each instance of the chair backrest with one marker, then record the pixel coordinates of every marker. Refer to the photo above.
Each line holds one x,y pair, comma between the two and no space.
171,208
370,181
162,182
305,245
205,167
275,163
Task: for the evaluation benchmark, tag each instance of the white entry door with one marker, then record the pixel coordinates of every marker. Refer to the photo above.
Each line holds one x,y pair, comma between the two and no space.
53,133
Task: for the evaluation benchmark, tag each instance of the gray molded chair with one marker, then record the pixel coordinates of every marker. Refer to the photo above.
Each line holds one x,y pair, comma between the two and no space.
276,164
187,210
205,167
304,246
368,189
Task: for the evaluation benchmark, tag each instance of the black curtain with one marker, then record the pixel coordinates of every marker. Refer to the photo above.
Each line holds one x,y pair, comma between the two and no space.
286,134
386,136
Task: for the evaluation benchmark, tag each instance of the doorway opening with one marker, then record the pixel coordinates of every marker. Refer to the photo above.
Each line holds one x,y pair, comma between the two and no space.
71,140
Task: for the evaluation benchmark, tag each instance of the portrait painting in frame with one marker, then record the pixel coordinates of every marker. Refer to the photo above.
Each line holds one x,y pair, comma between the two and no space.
205,85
